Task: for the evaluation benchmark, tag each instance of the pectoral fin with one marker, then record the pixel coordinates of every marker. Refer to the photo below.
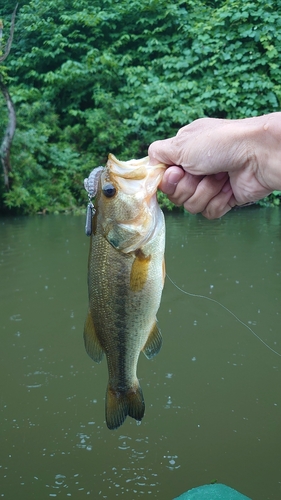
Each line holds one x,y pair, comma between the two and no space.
153,343
139,271
92,344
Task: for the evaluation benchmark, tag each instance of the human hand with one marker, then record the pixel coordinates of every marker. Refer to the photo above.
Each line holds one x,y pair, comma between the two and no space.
216,164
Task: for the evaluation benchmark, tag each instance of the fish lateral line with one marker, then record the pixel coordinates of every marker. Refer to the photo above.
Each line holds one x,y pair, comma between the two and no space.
226,309
125,277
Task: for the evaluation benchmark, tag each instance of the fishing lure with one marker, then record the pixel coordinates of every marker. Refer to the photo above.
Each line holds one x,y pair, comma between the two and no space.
91,186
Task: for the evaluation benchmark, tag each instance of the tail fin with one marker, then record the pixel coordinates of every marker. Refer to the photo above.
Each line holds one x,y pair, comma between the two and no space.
121,404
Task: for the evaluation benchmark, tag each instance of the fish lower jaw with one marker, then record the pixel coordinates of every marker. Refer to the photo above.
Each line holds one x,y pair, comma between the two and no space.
128,244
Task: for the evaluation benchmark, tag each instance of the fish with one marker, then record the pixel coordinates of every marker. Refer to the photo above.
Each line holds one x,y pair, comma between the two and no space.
126,273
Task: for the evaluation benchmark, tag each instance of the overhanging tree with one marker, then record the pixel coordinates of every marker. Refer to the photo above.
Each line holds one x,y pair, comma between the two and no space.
93,77
11,126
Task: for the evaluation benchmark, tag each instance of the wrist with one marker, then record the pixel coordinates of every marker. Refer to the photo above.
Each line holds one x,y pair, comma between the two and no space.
264,139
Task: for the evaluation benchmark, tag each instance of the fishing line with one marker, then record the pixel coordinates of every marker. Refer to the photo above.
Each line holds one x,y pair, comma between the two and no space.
226,309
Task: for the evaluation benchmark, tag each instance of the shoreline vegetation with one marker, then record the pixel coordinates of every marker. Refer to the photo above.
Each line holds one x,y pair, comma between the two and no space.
89,79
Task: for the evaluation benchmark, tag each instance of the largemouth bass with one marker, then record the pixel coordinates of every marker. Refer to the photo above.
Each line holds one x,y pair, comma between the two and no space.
125,277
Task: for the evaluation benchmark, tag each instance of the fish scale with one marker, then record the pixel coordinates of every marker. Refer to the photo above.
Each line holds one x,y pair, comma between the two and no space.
125,280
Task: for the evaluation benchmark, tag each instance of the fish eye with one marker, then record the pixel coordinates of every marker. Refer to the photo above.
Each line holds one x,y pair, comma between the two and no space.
108,190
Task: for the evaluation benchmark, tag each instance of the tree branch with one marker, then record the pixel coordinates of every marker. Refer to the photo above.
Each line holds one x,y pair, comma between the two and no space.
10,39
10,129
8,137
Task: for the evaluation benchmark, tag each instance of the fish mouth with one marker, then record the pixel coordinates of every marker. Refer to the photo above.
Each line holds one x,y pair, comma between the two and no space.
136,183
142,176
127,169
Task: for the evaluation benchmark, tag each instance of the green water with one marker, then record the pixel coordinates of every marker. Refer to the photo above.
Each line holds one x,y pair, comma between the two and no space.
213,394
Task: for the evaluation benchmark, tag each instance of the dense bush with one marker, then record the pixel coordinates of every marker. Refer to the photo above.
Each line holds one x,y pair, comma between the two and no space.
88,78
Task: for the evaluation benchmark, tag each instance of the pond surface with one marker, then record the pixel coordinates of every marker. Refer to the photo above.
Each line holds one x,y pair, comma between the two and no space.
213,393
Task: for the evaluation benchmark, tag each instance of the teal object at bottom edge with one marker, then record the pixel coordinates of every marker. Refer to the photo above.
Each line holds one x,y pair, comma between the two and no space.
212,492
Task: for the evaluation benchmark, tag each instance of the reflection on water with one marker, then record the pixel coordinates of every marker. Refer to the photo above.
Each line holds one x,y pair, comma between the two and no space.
212,394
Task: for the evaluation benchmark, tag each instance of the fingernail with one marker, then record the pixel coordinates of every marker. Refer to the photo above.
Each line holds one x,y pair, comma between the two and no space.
174,176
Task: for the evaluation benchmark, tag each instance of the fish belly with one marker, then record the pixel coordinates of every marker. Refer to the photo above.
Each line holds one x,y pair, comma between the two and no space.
124,297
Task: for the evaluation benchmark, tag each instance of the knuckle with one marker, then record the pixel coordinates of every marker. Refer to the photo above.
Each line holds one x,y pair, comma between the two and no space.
209,215
190,208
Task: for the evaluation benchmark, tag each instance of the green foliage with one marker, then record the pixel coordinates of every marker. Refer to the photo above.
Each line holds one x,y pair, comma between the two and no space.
89,78
273,200
48,174
165,203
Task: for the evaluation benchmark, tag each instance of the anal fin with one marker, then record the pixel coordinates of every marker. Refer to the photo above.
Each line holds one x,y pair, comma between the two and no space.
92,344
153,343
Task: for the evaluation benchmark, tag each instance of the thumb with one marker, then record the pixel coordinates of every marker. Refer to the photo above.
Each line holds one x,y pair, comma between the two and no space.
163,152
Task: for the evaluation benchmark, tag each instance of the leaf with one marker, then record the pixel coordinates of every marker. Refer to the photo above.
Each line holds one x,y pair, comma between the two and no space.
92,77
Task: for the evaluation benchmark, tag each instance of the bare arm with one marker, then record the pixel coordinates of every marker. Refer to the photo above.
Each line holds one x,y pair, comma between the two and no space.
216,164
